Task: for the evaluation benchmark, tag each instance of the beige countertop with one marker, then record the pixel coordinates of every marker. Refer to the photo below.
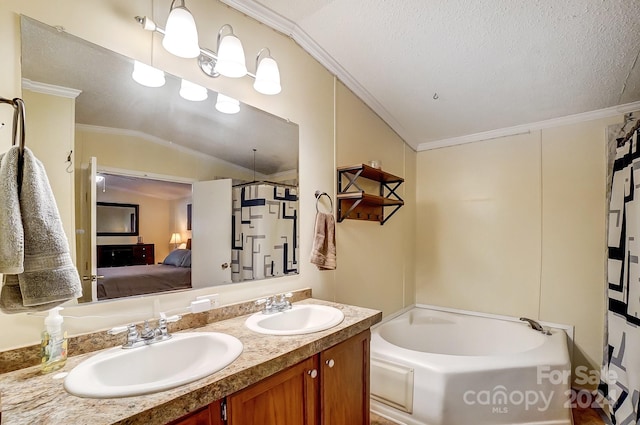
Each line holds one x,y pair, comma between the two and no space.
28,397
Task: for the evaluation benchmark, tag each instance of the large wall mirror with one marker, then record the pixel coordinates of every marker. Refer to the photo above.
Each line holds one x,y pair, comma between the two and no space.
216,193
116,219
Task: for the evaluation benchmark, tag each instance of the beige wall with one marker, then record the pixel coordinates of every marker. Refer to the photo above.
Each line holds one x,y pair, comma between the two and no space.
516,226
308,99
50,135
179,217
375,263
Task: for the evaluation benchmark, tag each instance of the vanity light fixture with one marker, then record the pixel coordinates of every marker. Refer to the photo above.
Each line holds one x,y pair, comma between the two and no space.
181,39
147,75
267,74
181,35
230,61
227,105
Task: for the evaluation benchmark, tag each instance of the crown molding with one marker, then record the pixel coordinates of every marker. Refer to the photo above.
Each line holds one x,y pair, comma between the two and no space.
38,87
281,24
528,128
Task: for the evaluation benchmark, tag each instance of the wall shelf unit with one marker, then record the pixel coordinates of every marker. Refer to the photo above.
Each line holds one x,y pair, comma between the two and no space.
360,205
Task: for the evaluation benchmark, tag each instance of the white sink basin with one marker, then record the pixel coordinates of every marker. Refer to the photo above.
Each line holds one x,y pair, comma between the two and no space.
300,319
184,358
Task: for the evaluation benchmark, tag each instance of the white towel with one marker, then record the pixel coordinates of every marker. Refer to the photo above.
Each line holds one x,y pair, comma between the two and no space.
49,277
323,253
11,231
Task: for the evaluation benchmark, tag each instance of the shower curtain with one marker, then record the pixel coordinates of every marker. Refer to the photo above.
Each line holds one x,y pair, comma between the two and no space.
620,380
265,231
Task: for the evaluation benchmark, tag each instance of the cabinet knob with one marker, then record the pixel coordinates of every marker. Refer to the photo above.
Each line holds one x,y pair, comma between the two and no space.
312,373
330,362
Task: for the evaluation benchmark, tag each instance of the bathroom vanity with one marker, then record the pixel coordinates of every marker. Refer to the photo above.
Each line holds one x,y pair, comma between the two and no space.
315,378
328,388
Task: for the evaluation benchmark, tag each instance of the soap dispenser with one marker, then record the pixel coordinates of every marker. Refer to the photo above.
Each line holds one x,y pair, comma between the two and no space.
54,342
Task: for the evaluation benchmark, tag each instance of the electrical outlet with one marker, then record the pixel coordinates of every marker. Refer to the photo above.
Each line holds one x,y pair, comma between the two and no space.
214,298
199,306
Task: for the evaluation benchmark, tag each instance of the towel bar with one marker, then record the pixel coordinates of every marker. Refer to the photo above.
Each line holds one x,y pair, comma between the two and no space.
17,139
18,119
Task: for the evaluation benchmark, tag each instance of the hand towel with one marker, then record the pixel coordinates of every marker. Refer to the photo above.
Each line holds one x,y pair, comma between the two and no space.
323,253
11,231
49,277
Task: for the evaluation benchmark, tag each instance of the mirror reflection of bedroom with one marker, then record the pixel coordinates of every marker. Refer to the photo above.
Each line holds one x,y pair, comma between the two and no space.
156,257
241,171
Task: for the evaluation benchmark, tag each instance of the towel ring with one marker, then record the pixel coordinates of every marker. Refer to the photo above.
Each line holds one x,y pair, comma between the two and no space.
319,195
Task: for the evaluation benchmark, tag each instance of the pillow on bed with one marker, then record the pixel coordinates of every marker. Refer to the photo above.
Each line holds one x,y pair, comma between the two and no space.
176,258
186,261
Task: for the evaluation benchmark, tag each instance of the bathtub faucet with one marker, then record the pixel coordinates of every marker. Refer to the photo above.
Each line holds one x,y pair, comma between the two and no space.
535,325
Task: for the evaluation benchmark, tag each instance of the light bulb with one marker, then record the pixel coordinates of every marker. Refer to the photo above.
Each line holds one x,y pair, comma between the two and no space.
181,35
267,77
231,61
147,75
227,105
192,91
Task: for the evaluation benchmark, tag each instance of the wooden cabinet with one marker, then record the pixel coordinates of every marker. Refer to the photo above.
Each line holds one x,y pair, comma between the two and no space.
286,398
143,254
327,389
345,382
125,255
360,205
330,388
210,415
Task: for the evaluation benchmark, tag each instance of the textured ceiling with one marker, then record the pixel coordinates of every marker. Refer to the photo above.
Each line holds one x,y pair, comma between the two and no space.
490,64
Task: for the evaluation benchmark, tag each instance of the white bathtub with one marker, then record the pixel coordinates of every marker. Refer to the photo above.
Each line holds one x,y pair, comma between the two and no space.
443,368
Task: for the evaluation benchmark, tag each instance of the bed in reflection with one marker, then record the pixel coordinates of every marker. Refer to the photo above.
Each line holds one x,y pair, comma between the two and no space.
172,274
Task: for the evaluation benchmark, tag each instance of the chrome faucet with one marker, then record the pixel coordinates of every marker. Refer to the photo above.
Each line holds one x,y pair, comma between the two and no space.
275,303
535,325
148,335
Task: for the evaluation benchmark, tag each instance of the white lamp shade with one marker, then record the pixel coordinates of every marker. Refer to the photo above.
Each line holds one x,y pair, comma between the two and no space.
267,77
147,75
181,35
227,105
175,238
192,91
231,62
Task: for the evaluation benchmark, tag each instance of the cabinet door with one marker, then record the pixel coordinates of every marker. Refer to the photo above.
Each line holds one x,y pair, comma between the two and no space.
201,417
210,415
286,398
344,391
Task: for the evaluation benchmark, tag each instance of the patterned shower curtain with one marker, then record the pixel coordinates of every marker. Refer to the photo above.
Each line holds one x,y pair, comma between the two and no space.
265,231
620,380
